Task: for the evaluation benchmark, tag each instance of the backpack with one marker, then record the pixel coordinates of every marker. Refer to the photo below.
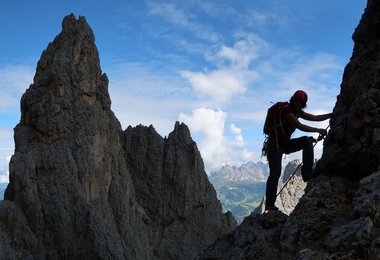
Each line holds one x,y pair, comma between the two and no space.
272,118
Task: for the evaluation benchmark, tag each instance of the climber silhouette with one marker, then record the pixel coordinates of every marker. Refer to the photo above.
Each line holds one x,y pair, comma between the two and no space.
280,142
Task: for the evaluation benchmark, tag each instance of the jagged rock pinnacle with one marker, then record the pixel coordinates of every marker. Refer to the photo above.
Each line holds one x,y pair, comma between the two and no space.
68,89
81,188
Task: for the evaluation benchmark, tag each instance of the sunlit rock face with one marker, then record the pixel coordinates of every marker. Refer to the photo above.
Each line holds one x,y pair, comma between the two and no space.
338,217
82,188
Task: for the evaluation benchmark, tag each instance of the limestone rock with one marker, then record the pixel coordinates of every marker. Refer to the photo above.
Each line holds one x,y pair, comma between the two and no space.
172,186
257,237
81,188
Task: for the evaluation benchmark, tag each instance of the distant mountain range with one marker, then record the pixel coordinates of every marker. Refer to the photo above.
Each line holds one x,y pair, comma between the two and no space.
240,189
250,171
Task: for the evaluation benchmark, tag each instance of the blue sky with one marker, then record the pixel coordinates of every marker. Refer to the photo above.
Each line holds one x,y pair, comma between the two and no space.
214,65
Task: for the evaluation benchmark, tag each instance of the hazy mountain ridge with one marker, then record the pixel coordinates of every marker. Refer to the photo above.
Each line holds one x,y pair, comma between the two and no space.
251,171
241,190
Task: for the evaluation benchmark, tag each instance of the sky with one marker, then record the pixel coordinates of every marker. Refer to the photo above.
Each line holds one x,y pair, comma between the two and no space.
214,65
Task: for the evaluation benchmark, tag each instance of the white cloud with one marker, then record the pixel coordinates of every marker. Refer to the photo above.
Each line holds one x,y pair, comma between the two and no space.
171,13
4,177
13,82
6,150
234,129
239,139
209,124
6,139
245,156
233,73
279,18
142,94
16,77
183,18
220,86
245,50
215,147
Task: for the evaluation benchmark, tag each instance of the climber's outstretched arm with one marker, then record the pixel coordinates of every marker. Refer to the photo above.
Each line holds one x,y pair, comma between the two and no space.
312,117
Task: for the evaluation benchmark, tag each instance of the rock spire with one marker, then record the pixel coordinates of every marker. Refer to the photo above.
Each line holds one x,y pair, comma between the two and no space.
82,188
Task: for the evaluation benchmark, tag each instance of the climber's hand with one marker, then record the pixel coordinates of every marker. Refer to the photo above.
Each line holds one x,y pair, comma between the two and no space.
322,131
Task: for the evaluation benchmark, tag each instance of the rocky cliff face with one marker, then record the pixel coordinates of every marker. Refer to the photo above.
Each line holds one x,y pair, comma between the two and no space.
81,188
339,215
180,204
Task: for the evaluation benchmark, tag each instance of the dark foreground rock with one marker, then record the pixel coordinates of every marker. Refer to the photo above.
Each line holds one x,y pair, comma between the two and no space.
81,188
257,237
336,219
